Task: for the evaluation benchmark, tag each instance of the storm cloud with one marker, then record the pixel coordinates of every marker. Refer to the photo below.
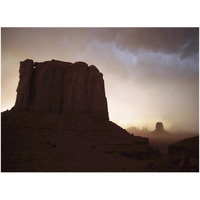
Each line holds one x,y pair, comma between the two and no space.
151,74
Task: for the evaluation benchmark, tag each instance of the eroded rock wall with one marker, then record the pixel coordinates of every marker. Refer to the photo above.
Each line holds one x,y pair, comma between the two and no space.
61,87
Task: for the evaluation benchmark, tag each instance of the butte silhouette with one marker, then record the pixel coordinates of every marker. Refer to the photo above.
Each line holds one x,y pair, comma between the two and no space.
160,131
61,87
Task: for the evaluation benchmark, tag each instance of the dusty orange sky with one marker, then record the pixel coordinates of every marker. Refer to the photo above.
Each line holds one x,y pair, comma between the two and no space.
150,74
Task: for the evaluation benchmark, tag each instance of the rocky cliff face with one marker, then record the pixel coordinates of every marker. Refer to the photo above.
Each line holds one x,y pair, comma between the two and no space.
61,87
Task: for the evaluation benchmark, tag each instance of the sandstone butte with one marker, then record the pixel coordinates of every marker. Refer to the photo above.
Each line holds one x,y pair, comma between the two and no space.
61,87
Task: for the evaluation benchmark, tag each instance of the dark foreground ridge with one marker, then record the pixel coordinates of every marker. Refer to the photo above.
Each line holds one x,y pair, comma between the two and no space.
60,124
183,156
52,142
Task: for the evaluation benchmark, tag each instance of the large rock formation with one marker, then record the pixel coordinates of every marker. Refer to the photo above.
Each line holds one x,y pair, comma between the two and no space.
61,87
159,130
159,126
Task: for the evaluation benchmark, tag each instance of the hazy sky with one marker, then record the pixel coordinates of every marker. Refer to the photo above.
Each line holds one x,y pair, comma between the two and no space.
150,74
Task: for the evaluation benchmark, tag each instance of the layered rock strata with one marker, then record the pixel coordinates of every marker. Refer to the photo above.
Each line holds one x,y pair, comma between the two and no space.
61,87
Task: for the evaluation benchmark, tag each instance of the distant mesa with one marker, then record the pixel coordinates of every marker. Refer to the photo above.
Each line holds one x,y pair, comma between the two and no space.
61,87
138,132
159,130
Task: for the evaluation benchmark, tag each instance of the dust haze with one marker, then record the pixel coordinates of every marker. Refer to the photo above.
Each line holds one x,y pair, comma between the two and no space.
151,74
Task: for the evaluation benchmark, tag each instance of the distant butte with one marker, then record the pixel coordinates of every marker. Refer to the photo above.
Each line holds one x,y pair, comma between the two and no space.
61,87
159,129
